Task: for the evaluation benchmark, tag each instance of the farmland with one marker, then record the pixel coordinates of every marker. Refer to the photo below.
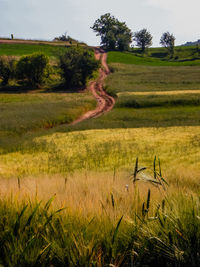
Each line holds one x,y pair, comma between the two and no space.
92,212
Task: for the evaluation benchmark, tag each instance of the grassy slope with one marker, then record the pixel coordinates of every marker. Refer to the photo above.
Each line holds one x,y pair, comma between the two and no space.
88,171
134,78
25,49
137,59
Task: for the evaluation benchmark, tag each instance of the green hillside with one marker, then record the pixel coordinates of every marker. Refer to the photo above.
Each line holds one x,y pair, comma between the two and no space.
157,57
25,49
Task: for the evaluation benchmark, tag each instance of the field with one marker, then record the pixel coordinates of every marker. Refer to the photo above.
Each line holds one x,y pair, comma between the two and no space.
25,49
75,195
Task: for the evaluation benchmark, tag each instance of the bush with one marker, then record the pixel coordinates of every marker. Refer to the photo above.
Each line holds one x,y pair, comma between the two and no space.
7,68
33,68
77,65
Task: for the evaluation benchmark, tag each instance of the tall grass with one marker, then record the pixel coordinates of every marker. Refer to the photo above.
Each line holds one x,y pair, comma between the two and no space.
139,226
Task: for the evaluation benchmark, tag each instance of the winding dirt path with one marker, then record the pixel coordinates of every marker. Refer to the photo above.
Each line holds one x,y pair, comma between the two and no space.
105,102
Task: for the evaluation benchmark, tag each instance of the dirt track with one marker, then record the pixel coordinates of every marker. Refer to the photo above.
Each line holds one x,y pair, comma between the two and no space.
105,102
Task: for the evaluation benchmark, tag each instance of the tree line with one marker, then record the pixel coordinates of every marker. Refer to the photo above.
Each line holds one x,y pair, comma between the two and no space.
115,35
75,66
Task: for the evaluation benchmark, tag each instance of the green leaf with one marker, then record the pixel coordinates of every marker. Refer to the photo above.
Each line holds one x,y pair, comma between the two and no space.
116,230
136,169
32,215
148,199
17,223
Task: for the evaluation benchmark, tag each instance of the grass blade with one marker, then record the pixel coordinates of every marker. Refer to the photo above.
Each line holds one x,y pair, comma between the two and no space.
116,230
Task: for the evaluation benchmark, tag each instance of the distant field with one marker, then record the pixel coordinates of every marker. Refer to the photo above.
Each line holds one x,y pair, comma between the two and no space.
25,49
132,58
134,78
154,99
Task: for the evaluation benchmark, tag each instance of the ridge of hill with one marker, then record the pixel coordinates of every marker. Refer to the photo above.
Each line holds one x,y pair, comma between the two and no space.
191,43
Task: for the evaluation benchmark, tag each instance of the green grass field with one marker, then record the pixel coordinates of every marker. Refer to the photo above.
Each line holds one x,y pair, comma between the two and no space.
134,78
67,196
26,49
137,59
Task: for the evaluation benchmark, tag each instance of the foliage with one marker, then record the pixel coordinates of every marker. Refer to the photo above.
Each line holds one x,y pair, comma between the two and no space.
33,68
167,40
7,68
114,34
143,39
77,65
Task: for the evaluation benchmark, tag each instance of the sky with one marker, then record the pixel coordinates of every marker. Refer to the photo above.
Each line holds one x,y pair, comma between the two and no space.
46,19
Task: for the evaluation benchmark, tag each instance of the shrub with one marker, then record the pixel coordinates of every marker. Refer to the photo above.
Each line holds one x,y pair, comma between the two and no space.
77,65
33,68
7,68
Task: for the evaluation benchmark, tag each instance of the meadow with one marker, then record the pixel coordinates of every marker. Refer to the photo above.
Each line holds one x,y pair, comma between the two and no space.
76,195
26,49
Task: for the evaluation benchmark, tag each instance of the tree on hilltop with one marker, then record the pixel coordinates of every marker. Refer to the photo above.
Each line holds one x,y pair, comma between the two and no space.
143,39
65,38
114,34
167,40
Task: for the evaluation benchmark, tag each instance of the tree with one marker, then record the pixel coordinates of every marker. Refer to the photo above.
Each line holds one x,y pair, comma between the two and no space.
65,38
143,39
167,40
77,65
7,68
33,68
114,34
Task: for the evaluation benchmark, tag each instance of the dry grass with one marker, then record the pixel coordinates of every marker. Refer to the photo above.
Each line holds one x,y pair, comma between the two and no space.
86,194
175,92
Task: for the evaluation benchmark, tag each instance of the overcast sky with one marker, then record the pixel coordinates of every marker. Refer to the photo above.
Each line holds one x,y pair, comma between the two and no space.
46,19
